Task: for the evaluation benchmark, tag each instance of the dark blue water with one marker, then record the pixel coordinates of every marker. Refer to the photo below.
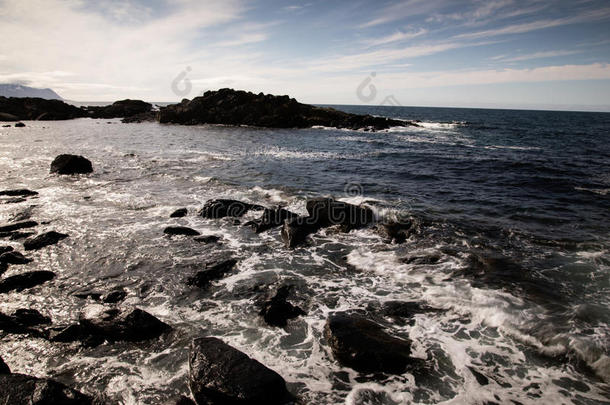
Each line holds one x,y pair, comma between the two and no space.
514,207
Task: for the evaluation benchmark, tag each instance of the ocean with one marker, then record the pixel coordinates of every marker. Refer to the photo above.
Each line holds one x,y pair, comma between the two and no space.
512,251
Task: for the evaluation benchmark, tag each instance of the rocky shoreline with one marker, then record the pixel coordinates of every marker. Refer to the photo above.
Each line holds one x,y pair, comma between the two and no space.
221,107
218,372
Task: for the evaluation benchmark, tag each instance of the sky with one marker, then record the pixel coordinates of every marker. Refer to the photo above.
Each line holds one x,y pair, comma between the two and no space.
532,54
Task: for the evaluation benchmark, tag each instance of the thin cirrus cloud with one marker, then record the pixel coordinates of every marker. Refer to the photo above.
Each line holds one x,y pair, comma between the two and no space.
316,51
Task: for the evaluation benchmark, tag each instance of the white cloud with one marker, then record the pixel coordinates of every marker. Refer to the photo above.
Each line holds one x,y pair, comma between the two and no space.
395,37
535,55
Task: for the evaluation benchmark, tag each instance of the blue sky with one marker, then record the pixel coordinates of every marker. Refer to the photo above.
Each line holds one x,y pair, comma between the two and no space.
551,54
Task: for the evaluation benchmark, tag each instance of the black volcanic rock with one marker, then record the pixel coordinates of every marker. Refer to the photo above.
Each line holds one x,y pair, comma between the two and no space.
43,240
4,369
179,213
325,212
71,164
4,249
236,107
14,257
24,389
207,239
17,225
120,109
38,109
221,208
123,325
20,282
18,193
363,345
270,219
20,125
222,375
204,277
180,230
277,310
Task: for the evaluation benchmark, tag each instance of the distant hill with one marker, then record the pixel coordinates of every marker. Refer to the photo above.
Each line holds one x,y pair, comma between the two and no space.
18,90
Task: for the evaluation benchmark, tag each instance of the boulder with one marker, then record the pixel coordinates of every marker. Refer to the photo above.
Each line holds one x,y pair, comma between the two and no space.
20,282
4,249
121,324
234,107
207,239
43,240
30,317
270,219
179,213
222,375
329,212
20,125
31,108
180,230
204,277
325,212
221,208
363,345
20,235
277,310
17,225
114,296
71,164
14,257
23,321
4,369
3,268
397,232
24,389
295,231
18,193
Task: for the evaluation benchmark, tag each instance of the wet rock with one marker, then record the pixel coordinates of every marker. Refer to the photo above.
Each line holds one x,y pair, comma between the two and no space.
180,230
363,345
114,297
43,240
481,379
4,249
203,278
71,333
325,212
12,324
4,369
421,260
220,374
207,239
24,389
15,200
31,108
71,164
397,232
179,213
18,193
277,310
184,401
295,230
20,235
20,282
270,219
122,325
221,208
329,212
7,125
14,257
20,125
17,225
30,317
3,268
235,107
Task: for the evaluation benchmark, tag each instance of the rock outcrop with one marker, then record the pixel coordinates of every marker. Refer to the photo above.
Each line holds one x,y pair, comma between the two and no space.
71,164
25,389
43,240
237,107
270,219
216,271
221,208
325,212
363,345
20,282
277,310
37,109
222,375
120,109
180,230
